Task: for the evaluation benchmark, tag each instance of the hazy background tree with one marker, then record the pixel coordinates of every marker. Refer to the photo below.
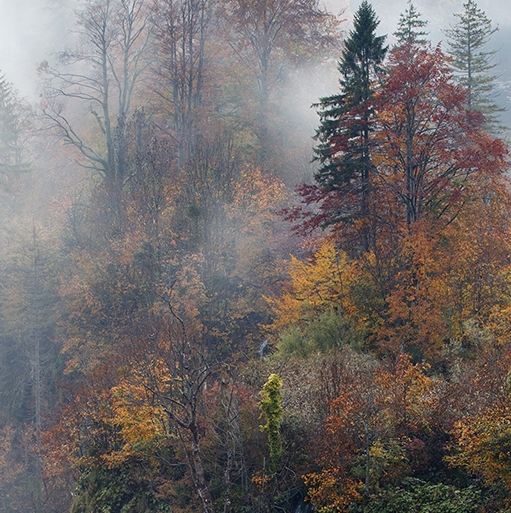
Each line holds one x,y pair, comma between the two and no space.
410,26
473,60
12,132
269,38
182,66
266,34
100,77
29,357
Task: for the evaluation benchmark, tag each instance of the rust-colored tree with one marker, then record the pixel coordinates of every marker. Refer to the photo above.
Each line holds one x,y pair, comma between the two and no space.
376,422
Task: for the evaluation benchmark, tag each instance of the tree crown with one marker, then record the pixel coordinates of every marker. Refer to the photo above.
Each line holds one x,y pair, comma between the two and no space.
410,26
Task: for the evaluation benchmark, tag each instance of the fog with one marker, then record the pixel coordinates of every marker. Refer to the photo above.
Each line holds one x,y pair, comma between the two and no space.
34,30
172,192
31,31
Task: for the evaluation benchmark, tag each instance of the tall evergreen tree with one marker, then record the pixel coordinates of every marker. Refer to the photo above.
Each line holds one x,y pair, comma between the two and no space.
346,120
410,26
472,61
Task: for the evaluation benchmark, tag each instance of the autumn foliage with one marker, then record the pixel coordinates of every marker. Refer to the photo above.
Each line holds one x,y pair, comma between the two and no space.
183,330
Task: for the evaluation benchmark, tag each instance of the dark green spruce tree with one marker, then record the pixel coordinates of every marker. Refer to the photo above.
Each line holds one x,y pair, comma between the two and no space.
473,61
344,149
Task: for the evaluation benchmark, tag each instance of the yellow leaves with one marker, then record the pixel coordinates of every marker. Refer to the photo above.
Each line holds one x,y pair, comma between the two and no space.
320,283
141,429
258,192
140,423
188,292
484,445
316,286
499,321
260,480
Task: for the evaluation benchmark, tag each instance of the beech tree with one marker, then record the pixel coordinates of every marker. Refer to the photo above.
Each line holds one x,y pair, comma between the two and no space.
432,150
171,369
435,163
317,310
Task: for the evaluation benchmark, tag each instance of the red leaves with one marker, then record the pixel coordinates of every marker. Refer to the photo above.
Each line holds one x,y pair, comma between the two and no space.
429,152
425,135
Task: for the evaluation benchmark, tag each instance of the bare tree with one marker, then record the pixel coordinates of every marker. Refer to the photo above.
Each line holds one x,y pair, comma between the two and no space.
176,375
102,73
181,28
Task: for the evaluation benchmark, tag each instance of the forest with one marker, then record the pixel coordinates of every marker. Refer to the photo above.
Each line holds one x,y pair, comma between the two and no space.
205,307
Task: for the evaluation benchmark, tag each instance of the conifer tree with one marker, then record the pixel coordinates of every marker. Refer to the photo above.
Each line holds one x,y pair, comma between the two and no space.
472,61
410,26
10,130
346,119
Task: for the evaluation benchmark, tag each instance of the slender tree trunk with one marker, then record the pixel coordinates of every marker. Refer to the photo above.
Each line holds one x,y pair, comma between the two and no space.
410,192
197,470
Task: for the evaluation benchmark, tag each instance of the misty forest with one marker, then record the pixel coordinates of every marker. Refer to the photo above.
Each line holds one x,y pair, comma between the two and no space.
256,257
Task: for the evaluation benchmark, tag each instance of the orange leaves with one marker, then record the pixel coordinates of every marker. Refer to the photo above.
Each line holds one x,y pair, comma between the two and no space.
414,314
331,491
374,430
398,398
409,397
443,278
415,293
